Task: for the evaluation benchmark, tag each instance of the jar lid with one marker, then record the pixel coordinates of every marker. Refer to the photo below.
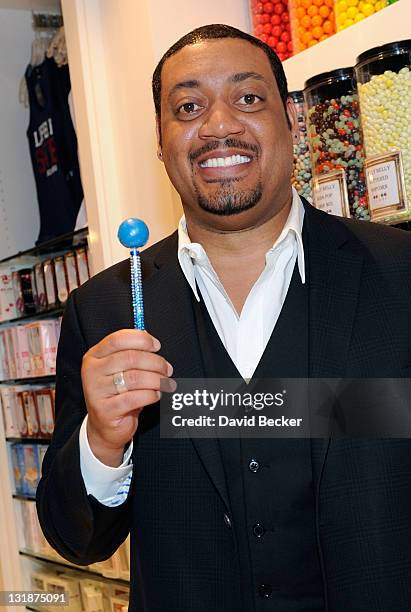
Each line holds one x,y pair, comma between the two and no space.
329,78
379,53
297,96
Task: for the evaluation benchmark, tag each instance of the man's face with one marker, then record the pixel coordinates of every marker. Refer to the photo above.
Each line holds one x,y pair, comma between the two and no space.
225,140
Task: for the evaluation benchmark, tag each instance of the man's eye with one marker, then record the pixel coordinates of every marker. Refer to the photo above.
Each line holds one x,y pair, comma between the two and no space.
188,108
249,99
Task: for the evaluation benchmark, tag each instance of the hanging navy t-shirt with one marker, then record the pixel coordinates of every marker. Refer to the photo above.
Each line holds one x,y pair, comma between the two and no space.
53,149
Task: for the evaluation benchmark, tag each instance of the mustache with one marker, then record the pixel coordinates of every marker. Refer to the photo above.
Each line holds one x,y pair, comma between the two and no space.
229,143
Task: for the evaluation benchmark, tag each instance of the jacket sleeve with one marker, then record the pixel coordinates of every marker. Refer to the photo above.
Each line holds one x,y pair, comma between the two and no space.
77,525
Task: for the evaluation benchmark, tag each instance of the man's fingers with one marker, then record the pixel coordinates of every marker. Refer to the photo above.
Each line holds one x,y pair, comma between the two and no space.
133,400
125,339
138,380
134,360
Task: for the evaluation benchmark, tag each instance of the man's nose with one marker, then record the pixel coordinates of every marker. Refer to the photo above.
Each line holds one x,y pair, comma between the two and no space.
220,122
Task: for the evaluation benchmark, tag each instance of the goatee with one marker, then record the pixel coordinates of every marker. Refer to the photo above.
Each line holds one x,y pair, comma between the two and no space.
228,201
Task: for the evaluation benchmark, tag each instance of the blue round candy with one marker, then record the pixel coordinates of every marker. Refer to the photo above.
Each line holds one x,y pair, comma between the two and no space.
133,233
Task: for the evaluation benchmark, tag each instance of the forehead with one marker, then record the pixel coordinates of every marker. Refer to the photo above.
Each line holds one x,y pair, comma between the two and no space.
213,61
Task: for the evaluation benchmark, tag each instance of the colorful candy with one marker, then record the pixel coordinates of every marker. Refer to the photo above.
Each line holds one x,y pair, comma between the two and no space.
348,12
271,24
334,132
386,110
301,177
311,22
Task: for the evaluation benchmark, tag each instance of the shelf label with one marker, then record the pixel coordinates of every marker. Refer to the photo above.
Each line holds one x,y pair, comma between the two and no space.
386,186
330,193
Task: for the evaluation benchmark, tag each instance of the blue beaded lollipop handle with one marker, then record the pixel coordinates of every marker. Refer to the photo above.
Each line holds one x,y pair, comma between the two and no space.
133,234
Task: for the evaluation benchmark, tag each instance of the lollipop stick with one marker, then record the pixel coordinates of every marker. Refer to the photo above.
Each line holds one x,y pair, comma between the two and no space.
137,289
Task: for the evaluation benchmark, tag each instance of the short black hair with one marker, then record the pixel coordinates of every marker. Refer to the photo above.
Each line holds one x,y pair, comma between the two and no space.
216,31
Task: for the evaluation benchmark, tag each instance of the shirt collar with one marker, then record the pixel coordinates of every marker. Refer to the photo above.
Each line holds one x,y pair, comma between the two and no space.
192,253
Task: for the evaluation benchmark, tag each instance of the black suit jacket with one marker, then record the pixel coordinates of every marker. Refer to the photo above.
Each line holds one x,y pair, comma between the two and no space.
183,553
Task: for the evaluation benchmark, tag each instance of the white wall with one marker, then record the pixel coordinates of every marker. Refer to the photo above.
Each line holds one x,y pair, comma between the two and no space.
19,217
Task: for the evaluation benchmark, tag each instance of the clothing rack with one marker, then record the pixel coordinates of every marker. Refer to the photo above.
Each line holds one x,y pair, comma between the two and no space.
47,21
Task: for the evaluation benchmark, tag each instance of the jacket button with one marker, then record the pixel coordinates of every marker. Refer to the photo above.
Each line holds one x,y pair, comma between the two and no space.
253,466
258,530
227,521
265,590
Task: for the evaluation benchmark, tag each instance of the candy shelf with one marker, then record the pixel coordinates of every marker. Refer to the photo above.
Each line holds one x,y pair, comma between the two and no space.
63,563
29,381
342,49
25,497
15,573
63,242
29,440
36,315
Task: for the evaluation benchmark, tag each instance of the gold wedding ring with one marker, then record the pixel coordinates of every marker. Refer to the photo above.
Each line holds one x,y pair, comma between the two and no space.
119,382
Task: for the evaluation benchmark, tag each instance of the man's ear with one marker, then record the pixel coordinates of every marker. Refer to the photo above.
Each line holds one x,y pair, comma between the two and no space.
292,118
158,133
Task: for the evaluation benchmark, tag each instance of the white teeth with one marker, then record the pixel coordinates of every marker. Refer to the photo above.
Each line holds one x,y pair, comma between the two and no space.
221,162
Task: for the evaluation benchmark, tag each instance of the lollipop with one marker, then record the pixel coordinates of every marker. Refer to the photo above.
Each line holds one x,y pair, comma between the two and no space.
133,234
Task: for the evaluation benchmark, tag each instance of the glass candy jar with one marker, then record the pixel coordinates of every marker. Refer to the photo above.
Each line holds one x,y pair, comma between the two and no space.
301,178
384,87
334,133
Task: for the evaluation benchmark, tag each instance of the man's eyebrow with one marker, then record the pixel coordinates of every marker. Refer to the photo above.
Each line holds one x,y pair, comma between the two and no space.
243,76
192,84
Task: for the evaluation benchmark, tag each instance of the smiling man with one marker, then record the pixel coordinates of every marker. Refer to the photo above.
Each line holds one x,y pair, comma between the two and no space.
255,283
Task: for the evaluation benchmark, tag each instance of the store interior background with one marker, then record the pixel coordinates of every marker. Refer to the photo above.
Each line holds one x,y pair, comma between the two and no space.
113,48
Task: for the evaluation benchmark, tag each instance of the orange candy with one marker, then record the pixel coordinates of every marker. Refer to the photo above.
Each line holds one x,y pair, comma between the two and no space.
317,20
307,37
324,11
312,11
318,32
313,21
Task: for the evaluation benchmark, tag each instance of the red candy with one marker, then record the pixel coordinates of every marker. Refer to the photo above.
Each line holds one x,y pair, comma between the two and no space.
271,25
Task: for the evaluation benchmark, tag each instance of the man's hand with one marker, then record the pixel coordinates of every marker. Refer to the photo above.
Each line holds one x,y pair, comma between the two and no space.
113,417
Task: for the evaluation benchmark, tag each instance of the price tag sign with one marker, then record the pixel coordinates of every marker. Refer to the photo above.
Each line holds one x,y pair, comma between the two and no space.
386,187
330,193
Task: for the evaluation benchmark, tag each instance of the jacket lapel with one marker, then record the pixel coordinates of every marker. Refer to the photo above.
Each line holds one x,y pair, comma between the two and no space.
169,317
334,262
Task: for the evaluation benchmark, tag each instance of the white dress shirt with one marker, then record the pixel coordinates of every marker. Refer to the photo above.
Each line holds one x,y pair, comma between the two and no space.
260,313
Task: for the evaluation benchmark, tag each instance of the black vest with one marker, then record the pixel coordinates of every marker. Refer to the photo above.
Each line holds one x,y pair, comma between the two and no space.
270,481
